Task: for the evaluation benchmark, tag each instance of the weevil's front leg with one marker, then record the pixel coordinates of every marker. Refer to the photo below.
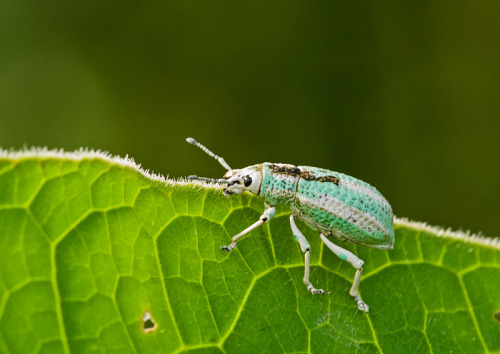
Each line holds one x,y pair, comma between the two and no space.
265,217
304,246
356,263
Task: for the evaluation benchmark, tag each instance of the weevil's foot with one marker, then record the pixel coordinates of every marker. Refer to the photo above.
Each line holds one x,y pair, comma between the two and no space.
230,247
361,305
313,290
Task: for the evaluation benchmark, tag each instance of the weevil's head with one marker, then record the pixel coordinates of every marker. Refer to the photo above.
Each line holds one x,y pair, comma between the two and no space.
246,179
237,181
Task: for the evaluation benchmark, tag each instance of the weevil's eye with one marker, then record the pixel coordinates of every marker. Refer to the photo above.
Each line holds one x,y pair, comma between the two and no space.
247,180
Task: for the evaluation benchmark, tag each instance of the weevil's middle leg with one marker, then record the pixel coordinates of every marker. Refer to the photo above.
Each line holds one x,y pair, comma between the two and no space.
356,263
265,217
304,246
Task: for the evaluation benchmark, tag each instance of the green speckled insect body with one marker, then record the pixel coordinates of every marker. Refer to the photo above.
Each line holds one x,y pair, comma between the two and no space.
332,203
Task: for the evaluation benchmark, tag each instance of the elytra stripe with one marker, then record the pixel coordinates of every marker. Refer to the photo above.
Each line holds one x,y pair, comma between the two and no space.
352,215
372,194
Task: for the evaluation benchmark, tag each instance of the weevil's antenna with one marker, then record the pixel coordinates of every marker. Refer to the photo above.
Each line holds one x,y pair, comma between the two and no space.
193,177
218,158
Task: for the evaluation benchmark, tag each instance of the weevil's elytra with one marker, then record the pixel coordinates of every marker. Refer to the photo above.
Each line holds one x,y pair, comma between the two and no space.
335,204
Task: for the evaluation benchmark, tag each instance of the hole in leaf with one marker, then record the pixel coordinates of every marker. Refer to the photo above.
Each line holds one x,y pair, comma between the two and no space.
148,323
496,315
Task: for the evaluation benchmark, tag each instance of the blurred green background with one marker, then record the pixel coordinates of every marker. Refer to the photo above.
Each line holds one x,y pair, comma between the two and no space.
402,95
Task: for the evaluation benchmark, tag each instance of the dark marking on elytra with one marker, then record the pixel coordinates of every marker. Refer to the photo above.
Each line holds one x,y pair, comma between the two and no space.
304,174
309,176
287,170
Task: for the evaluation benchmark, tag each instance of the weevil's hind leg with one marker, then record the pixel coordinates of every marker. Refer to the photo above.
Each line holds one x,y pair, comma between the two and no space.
304,246
265,217
356,263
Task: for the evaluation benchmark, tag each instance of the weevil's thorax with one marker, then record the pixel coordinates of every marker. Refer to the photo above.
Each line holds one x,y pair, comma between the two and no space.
279,183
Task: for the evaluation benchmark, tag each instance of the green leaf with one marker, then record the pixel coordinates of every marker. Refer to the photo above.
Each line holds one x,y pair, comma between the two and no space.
98,255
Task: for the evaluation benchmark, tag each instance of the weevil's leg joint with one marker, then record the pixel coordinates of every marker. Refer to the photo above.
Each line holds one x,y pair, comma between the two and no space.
265,217
268,214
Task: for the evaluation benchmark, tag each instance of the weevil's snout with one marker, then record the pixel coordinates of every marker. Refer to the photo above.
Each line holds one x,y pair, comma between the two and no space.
233,183
247,179
230,189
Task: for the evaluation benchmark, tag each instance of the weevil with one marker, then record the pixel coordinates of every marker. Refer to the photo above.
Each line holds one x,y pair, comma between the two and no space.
334,204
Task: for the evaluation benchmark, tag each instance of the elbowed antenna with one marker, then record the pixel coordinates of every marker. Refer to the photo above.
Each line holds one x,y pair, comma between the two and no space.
218,158
214,180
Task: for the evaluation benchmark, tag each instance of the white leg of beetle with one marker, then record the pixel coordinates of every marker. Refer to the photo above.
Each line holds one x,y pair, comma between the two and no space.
265,217
304,246
356,263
